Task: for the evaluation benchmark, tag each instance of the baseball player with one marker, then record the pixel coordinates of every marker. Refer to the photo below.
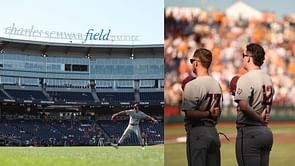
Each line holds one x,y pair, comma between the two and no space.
202,103
254,93
135,115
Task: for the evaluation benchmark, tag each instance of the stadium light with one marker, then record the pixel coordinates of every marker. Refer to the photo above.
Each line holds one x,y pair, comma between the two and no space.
88,56
132,54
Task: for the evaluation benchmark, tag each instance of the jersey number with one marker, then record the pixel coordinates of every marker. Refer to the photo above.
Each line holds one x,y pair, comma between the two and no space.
267,97
267,94
213,97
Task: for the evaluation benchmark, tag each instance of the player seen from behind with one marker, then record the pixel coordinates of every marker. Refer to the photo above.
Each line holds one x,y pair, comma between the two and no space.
254,93
202,103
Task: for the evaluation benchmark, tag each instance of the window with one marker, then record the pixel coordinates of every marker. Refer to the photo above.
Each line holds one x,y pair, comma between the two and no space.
68,67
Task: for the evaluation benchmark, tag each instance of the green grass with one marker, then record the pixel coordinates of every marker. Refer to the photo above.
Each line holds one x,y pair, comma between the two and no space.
281,154
178,158
82,156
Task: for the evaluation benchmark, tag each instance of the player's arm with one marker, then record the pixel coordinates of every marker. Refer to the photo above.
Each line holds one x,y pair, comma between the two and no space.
152,119
191,103
119,113
249,111
242,95
213,112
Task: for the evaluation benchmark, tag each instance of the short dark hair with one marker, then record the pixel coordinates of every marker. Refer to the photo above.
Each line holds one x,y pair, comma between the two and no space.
136,105
205,57
257,52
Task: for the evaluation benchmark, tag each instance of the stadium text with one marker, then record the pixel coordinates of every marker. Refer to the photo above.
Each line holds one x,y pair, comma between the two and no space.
90,35
124,37
32,32
97,36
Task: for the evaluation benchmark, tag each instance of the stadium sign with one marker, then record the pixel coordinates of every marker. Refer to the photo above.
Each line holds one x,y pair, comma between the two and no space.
91,36
97,35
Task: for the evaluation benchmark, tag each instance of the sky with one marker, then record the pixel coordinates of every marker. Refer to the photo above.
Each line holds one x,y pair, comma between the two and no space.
280,7
132,19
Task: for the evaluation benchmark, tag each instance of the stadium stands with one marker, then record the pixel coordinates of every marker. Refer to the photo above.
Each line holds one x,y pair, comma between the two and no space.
186,30
71,96
68,133
54,94
116,97
151,97
26,94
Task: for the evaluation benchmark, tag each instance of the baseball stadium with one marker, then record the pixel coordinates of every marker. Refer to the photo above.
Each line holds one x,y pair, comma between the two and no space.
225,32
60,88
57,95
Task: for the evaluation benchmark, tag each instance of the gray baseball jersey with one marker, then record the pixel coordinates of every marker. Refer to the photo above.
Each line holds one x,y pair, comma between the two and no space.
135,117
203,144
254,140
199,94
133,125
255,87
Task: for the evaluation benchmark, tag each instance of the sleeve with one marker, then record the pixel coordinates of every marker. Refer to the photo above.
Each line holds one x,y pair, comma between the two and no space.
243,91
221,102
221,97
128,112
191,100
143,115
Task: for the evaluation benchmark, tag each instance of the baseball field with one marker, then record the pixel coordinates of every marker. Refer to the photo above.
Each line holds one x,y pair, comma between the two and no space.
282,152
82,156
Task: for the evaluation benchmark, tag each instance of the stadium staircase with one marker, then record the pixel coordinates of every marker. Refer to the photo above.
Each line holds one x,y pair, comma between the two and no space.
104,131
45,93
4,92
94,95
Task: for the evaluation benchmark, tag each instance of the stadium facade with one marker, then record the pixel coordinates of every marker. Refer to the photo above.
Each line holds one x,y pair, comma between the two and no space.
74,86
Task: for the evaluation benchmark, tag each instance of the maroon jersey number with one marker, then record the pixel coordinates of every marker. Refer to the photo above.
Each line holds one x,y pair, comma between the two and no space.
213,97
267,94
267,97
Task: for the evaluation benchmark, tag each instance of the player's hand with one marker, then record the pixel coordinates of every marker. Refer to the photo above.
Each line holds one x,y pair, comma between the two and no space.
265,117
114,117
155,121
215,111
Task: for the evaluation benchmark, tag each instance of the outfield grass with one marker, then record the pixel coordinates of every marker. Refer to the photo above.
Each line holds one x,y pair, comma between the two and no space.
282,153
82,156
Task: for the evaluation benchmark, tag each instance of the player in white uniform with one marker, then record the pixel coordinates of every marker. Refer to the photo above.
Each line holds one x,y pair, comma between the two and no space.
135,116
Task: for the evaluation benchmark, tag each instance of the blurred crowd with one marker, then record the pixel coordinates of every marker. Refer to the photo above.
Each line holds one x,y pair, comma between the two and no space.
226,37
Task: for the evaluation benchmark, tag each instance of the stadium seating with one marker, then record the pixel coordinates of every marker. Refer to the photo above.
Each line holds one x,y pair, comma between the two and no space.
116,97
26,94
71,96
39,132
151,96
